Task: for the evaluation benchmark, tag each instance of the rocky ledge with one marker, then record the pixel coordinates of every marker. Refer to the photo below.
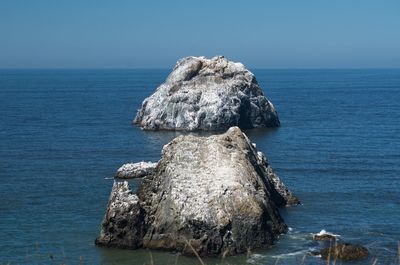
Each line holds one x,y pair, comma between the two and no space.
135,170
213,195
207,94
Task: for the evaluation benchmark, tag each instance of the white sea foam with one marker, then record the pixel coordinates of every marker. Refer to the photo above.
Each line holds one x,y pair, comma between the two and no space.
255,258
290,254
324,232
303,252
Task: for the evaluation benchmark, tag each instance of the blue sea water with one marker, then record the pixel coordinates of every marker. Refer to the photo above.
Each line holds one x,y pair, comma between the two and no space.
63,132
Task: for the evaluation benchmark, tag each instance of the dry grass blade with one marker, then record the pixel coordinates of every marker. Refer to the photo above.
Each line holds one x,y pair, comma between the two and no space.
151,258
248,252
223,256
398,251
328,260
176,259
195,252
334,262
303,260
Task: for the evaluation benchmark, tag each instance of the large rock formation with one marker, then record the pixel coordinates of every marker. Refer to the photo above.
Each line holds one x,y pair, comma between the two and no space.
207,94
216,193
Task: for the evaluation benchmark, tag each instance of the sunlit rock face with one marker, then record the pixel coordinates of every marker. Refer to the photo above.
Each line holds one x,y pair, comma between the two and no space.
207,94
135,170
215,195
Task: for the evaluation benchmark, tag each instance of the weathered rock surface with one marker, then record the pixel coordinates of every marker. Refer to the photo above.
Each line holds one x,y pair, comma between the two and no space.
345,252
207,94
135,170
216,193
123,223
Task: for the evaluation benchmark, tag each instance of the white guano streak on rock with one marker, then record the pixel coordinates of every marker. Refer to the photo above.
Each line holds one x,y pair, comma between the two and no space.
123,197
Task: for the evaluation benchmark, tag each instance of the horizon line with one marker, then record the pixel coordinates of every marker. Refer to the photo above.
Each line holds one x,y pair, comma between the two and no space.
170,68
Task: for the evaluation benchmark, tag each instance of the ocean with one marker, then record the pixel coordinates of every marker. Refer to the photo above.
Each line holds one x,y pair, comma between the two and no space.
64,133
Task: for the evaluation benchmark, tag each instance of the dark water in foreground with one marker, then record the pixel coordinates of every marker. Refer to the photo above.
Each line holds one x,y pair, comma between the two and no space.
63,131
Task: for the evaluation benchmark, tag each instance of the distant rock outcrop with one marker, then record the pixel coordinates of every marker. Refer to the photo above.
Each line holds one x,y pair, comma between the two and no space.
207,94
135,170
345,252
216,193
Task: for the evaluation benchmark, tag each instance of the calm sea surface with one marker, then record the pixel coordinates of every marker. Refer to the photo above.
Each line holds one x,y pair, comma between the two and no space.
63,132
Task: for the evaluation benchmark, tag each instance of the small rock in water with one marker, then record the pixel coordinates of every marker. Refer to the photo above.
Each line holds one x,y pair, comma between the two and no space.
345,252
135,170
325,236
207,94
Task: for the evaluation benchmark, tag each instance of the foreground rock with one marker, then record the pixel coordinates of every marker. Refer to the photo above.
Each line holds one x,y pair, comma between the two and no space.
216,193
135,170
345,252
207,94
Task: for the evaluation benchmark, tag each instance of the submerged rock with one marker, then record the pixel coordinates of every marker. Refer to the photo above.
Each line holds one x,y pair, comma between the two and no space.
207,94
345,252
135,170
325,236
216,193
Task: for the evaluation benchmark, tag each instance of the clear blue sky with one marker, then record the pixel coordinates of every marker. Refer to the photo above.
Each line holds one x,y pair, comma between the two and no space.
154,34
